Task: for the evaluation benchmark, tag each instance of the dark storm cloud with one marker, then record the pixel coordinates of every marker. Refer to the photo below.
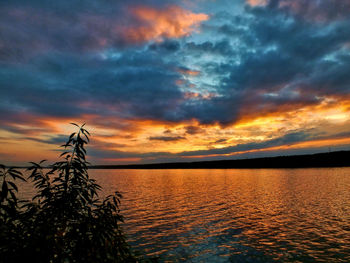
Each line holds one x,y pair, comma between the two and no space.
223,110
30,90
282,61
305,50
140,85
193,130
135,85
290,138
320,10
221,47
56,140
29,28
302,39
166,138
269,58
331,77
221,141
168,45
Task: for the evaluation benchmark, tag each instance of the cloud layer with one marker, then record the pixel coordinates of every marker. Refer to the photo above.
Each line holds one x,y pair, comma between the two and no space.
165,79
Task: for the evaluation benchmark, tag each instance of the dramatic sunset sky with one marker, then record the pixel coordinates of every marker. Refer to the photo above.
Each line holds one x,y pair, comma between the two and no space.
160,80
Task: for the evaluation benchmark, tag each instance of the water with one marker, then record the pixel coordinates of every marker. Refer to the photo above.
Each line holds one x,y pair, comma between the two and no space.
233,215
269,215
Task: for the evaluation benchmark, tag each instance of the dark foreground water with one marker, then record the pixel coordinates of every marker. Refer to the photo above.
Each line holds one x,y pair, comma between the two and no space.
269,215
233,215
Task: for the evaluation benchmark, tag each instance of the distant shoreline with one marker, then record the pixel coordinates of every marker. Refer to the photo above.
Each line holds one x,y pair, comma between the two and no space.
319,160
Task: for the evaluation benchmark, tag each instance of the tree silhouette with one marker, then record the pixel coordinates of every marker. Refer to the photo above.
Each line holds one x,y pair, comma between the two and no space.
65,221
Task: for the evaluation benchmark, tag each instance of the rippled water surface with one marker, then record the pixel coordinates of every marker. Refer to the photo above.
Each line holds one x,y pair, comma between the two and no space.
272,215
299,215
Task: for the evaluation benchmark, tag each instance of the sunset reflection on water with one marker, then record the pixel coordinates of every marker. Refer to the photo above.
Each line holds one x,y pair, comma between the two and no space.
266,215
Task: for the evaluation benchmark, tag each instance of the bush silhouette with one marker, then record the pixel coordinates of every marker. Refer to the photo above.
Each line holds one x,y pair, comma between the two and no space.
65,221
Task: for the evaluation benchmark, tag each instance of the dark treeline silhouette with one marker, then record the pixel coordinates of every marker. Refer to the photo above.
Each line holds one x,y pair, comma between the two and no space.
332,159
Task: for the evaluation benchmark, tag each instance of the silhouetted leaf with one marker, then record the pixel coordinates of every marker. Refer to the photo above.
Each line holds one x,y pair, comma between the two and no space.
75,124
64,153
14,186
4,189
35,164
72,135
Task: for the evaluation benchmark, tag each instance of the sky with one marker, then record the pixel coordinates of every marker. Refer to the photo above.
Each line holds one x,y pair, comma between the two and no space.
165,81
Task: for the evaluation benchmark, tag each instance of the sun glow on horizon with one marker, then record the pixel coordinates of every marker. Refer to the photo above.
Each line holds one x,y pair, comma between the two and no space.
140,139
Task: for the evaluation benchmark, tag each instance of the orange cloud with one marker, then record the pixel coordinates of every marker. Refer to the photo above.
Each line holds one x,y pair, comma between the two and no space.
171,22
257,2
330,108
189,72
318,11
